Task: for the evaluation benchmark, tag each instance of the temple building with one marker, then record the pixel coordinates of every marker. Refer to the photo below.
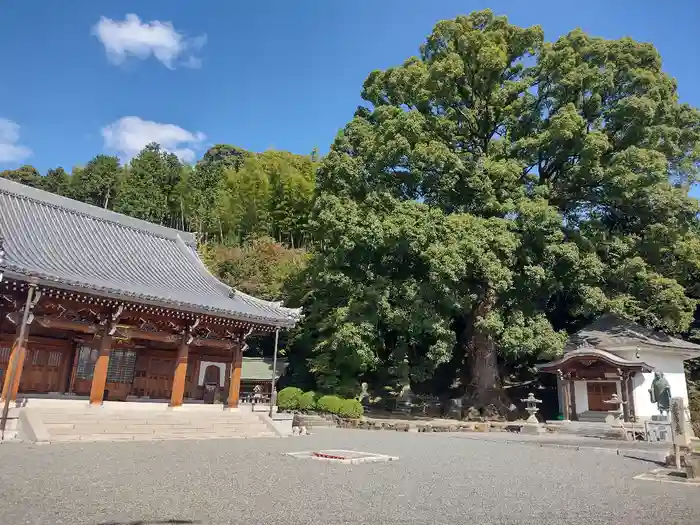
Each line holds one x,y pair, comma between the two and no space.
613,356
97,304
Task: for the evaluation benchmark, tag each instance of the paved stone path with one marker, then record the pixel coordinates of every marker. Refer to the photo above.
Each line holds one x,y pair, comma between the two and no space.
438,479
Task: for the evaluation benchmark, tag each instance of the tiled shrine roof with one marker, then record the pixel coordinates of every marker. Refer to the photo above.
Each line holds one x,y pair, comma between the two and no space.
72,245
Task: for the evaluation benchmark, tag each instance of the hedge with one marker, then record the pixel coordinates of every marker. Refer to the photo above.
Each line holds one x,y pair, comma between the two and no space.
288,398
330,404
292,398
351,408
307,401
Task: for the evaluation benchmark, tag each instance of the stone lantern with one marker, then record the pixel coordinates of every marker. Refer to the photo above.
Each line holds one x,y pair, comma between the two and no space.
616,410
531,407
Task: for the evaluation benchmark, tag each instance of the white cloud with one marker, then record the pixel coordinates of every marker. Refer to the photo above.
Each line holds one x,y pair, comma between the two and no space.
143,39
128,135
10,151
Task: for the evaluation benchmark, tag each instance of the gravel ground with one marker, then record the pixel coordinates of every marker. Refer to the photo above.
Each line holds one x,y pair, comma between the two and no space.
439,478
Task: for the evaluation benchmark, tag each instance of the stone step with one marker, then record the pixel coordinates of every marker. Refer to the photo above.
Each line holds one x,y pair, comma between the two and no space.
593,417
102,425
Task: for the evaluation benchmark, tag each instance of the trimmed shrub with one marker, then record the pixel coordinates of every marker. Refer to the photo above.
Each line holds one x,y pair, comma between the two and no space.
307,401
330,404
288,398
351,408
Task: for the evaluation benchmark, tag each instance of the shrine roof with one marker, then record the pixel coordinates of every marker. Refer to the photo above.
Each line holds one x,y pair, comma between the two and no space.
581,355
612,332
260,368
72,245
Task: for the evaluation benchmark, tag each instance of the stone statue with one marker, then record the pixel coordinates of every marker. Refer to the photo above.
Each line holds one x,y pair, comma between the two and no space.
660,392
364,395
406,395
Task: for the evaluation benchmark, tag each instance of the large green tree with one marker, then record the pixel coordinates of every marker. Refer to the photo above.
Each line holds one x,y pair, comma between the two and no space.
495,192
151,187
97,183
27,175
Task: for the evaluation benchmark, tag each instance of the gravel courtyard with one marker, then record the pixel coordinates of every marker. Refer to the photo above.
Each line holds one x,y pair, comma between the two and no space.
439,478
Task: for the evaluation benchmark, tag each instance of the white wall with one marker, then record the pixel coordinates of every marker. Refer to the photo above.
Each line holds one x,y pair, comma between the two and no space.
581,389
672,367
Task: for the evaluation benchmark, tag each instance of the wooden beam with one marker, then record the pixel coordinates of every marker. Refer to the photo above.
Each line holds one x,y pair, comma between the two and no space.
64,324
99,376
225,344
180,375
234,387
127,332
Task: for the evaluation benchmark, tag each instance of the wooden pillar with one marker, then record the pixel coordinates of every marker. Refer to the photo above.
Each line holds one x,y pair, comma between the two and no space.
572,398
631,409
180,375
99,375
624,378
563,384
74,367
234,387
17,357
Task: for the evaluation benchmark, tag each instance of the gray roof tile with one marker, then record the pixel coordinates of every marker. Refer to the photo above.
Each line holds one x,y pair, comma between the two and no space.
611,331
67,243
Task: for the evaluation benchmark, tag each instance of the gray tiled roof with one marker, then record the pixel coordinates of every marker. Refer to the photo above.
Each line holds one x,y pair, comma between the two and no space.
66,243
260,368
610,331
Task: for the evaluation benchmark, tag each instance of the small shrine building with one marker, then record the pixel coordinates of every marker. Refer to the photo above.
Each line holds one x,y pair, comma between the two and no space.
116,308
617,356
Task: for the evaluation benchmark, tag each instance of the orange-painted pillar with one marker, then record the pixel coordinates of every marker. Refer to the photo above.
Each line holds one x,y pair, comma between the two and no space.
99,376
180,375
17,356
234,387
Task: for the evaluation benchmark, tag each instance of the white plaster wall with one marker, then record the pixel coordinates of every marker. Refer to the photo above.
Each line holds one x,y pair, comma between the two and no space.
672,367
581,389
203,368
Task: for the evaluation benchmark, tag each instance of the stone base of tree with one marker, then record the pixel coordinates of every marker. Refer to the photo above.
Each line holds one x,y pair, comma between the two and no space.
405,426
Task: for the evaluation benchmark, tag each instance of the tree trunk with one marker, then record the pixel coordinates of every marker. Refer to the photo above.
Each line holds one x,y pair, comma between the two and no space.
483,390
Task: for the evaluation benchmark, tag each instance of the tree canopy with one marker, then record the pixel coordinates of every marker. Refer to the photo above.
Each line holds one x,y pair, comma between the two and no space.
494,192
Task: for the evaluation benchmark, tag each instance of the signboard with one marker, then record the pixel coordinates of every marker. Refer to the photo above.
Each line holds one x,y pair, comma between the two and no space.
679,426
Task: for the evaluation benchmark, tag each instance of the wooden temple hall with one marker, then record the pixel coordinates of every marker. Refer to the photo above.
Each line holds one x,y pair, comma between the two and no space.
97,304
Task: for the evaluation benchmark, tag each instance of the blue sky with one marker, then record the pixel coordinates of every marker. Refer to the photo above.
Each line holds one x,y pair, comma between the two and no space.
79,77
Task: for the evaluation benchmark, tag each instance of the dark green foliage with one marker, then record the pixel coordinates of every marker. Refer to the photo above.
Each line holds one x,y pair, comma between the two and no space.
288,398
495,193
307,401
27,175
329,404
351,408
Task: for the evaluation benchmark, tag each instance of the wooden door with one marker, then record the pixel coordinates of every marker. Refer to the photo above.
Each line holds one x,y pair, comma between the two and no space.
42,371
160,377
598,393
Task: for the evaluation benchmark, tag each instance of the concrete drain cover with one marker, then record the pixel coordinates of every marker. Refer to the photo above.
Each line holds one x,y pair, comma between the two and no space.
668,476
343,456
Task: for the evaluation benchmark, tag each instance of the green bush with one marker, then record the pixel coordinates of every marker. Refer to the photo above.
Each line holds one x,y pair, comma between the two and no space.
307,401
288,398
351,408
330,404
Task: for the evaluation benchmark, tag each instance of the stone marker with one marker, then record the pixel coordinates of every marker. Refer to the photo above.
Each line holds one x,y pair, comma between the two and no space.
679,428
